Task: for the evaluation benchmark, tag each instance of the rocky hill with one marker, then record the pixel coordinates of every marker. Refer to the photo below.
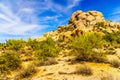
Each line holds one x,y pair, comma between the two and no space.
84,21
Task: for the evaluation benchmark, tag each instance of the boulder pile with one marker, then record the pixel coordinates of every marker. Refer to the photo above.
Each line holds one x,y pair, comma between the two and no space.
80,22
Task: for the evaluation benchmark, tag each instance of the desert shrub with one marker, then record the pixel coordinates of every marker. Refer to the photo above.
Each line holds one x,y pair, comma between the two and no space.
3,67
112,37
45,34
47,49
107,77
115,63
83,46
2,45
65,29
68,29
99,24
26,72
50,61
9,61
15,44
84,70
33,44
112,52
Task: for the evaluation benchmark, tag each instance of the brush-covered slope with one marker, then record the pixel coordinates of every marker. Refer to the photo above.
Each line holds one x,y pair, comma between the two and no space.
87,48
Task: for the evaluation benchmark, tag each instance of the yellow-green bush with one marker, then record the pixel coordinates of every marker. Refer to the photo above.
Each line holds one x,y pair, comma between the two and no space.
83,46
46,49
112,37
2,45
99,24
9,61
15,44
33,44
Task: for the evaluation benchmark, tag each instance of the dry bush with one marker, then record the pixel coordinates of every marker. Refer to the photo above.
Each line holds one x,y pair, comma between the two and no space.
26,73
84,70
115,63
107,77
50,61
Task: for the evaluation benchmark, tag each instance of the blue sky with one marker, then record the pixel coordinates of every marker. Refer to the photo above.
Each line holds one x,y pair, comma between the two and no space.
31,18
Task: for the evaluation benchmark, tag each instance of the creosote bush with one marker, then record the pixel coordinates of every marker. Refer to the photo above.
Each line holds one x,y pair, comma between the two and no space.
9,61
83,46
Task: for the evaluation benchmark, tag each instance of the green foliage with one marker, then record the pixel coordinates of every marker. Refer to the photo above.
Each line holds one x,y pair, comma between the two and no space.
33,44
112,37
65,29
68,29
45,34
46,49
15,44
99,24
9,61
2,45
83,46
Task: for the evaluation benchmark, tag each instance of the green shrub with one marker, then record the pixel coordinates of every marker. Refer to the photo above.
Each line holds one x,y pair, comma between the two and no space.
99,24
15,44
3,67
9,61
46,49
83,46
33,44
112,37
2,45
65,29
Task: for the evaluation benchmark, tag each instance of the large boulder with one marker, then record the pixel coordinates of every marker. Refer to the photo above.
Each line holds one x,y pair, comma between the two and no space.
90,18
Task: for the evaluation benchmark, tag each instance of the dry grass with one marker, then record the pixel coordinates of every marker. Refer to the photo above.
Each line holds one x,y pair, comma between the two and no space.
115,63
25,73
50,61
84,70
107,77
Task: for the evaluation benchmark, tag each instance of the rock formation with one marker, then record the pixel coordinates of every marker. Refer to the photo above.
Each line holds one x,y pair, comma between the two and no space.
81,22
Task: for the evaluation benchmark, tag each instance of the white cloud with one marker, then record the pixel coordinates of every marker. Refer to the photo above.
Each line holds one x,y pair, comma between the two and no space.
72,3
59,8
116,11
10,23
115,15
19,17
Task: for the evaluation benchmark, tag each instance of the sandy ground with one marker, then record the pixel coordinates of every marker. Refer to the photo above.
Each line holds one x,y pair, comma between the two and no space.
64,70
